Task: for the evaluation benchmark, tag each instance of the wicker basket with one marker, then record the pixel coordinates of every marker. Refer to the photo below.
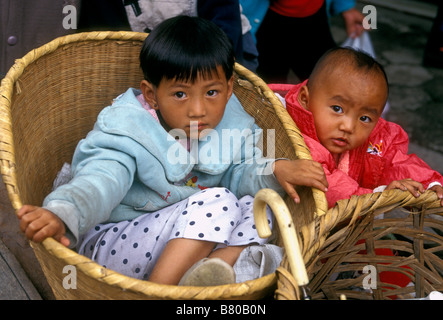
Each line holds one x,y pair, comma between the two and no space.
379,246
49,100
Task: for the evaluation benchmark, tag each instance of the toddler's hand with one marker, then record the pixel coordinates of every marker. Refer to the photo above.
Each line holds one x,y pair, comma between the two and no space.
38,224
439,190
291,173
414,187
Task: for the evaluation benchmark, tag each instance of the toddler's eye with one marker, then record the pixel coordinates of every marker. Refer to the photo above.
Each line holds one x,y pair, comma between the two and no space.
365,119
212,93
337,109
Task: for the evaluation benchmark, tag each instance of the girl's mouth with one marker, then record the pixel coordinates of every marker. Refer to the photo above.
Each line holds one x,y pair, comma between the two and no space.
198,126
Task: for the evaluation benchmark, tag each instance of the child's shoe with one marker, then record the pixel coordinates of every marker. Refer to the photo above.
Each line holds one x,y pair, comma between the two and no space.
208,272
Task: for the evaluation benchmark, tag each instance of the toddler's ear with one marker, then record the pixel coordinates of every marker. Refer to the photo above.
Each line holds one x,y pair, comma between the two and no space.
303,97
148,91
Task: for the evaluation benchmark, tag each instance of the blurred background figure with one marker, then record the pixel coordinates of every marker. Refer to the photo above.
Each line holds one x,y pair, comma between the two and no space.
144,15
24,26
293,34
433,55
27,24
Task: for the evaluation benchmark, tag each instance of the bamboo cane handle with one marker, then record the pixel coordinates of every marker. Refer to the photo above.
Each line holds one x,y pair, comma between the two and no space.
290,240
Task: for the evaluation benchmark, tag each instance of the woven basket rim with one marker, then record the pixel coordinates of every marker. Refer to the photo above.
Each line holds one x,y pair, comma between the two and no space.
351,209
84,264
152,289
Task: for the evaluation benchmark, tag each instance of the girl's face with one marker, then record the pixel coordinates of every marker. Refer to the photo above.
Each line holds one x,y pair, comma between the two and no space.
190,106
346,109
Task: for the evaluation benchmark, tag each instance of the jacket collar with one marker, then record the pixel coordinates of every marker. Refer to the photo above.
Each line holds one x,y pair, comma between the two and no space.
302,117
127,117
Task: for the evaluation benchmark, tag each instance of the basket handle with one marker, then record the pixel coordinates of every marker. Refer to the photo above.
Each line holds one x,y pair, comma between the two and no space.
290,240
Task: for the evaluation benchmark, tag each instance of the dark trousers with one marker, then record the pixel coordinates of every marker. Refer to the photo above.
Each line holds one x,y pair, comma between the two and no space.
433,53
287,43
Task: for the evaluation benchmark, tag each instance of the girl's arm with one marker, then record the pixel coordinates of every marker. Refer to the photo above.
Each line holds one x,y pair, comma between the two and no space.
38,224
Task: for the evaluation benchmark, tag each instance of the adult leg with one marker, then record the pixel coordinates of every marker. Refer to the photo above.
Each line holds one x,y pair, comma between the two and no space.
313,42
272,45
433,54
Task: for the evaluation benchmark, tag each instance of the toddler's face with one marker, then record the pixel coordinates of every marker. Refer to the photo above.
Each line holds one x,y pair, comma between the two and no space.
193,107
346,109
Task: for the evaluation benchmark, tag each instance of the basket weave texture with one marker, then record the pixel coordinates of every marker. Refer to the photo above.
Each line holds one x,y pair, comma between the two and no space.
379,246
50,99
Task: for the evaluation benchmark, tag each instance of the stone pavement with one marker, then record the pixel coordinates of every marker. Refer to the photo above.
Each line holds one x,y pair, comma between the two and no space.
14,283
21,277
416,103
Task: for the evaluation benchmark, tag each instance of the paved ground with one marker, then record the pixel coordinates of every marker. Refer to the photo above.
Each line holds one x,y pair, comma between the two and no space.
416,102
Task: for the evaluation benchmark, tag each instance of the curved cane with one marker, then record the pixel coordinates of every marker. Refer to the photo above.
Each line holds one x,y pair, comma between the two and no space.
281,212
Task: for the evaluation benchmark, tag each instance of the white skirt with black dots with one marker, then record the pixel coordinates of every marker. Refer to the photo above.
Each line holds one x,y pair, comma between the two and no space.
133,247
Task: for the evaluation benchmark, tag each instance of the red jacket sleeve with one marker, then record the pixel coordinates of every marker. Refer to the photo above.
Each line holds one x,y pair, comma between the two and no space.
399,164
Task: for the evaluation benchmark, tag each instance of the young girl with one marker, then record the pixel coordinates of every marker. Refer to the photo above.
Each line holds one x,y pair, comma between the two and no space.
338,111
144,199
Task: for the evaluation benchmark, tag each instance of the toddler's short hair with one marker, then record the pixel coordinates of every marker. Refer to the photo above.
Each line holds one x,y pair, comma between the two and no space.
340,57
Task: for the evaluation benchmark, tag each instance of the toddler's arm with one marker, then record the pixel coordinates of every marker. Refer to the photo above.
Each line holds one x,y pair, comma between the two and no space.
291,173
415,188
38,224
439,190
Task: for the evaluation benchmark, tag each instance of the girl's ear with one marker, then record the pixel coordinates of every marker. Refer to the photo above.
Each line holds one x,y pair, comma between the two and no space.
303,97
230,87
148,91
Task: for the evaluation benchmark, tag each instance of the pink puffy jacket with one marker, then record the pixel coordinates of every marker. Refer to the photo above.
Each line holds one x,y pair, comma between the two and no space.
380,160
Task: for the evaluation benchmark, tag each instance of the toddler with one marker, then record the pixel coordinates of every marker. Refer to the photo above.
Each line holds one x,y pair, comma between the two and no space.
338,111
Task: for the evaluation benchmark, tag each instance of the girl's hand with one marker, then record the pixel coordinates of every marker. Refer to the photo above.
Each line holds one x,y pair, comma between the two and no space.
291,173
38,224
414,187
439,190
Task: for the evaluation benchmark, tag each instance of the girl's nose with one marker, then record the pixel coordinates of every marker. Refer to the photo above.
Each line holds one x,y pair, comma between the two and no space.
197,109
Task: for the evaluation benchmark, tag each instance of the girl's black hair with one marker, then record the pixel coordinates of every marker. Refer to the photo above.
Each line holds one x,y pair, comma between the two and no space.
183,48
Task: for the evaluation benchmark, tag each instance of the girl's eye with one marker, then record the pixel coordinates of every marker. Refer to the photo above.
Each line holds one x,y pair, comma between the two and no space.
212,93
365,119
180,94
337,109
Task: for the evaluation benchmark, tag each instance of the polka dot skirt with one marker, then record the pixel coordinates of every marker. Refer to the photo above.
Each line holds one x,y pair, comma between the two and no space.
133,247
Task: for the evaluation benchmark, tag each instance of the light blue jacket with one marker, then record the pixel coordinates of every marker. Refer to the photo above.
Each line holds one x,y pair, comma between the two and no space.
129,165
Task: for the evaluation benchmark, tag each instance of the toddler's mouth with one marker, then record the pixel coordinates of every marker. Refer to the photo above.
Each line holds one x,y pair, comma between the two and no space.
341,142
